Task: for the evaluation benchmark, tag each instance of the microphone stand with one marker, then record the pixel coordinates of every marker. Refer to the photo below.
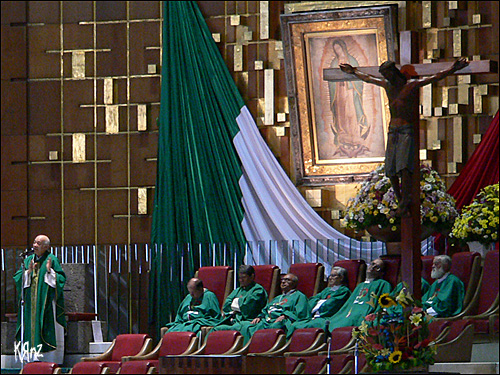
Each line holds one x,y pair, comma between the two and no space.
23,256
328,346
356,355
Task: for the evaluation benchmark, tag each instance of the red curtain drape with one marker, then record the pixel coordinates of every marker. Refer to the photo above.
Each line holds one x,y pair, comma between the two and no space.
482,169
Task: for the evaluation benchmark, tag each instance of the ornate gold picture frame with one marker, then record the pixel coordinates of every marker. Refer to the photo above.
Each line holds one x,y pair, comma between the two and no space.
338,128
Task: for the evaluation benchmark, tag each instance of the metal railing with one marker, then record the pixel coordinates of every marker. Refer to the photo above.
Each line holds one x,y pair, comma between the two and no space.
120,273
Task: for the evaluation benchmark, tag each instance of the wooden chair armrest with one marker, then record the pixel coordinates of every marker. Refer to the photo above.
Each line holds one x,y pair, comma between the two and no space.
280,342
106,356
153,354
244,349
306,353
299,369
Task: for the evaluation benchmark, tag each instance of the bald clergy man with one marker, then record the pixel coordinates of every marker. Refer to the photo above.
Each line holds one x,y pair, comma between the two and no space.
44,319
290,306
445,297
199,308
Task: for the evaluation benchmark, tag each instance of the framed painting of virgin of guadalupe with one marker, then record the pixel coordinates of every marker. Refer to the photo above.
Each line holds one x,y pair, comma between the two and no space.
338,128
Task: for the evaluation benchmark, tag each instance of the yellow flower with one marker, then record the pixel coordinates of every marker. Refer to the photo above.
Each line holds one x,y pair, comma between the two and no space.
416,319
385,352
386,301
403,298
395,357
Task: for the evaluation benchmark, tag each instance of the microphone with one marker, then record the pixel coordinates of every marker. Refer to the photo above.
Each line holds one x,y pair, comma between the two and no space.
26,252
327,330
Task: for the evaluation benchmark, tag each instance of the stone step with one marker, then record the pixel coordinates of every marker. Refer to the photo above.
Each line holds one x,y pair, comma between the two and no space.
485,352
465,368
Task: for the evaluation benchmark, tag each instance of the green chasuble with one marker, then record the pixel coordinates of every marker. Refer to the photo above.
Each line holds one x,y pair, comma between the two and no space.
323,305
292,304
194,314
243,304
39,325
446,296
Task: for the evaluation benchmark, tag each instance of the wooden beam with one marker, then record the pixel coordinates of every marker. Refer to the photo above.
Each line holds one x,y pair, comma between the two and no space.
474,67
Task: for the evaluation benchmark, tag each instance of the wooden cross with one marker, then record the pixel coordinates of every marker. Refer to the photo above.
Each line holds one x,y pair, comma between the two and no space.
411,263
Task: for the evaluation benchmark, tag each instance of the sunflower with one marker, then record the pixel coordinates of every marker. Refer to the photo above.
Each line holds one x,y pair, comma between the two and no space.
395,357
386,301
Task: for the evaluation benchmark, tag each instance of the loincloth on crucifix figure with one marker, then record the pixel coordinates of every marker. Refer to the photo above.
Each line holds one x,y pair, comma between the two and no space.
403,95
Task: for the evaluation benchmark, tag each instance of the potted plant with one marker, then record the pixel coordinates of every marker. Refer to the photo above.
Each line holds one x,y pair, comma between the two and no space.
396,337
374,207
478,223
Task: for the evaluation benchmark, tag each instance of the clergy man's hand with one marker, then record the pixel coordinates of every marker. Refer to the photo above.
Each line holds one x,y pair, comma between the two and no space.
280,318
49,264
256,320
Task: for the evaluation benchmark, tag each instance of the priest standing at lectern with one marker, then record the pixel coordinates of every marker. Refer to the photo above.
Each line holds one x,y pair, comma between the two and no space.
44,317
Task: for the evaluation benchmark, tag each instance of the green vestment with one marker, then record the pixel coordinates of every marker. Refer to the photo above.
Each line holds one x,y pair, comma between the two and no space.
398,308
292,304
334,299
251,301
445,297
193,314
39,325
362,302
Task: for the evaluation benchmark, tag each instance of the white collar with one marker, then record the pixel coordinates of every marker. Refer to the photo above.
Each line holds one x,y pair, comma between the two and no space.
440,280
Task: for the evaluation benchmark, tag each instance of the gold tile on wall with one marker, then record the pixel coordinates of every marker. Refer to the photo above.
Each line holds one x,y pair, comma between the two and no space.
269,96
238,58
78,64
142,121
108,90
457,139
264,19
142,201
78,147
112,124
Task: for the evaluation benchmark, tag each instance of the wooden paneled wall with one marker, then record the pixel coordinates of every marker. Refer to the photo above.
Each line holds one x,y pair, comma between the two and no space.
81,92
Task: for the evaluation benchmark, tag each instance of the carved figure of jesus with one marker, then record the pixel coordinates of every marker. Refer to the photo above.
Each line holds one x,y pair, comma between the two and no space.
403,97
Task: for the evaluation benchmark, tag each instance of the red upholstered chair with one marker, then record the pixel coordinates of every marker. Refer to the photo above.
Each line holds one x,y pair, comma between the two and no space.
268,276
310,276
264,342
221,343
427,268
123,346
41,368
295,365
89,368
137,367
217,279
438,330
483,310
467,267
342,341
356,271
457,347
305,341
172,343
392,272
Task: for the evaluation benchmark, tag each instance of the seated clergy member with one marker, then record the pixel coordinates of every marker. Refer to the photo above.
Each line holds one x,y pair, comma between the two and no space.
244,303
282,311
326,303
363,300
446,295
199,308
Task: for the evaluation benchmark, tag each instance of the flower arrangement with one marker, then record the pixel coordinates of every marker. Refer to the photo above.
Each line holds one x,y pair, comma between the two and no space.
396,337
375,203
479,220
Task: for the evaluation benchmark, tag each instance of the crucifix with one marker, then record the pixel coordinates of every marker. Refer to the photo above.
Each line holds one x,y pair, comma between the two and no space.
402,164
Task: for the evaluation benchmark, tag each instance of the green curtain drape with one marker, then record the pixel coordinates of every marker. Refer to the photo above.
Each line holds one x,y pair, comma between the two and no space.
197,196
